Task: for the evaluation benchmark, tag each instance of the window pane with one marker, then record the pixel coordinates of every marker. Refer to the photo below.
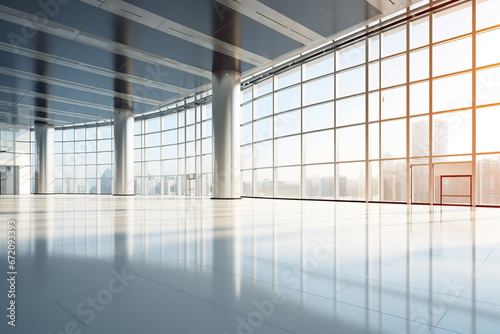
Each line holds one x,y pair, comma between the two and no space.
206,145
190,116
419,136
104,145
152,139
91,133
446,59
263,129
373,132
318,117
288,78
169,122
57,135
80,134
318,67
420,184
91,171
374,48
104,132
487,13
181,119
246,94
170,152
488,48
207,163
246,134
288,99
153,124
419,98
263,154
393,139
351,56
318,90
152,168
488,86
137,155
452,22
264,87
319,147
394,71
419,33
264,182
152,153
452,133
263,107
69,147
351,82
170,167
394,41
287,123
394,102
419,64
487,134
190,133
394,181
206,129
104,158
246,184
288,151
68,134
91,146
351,143
246,111
206,112
351,181
170,137
288,182
351,110
374,76
320,181
373,182
373,106
453,92
488,179
246,157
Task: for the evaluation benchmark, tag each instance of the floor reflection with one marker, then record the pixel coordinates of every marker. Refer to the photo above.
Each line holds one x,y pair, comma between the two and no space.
255,265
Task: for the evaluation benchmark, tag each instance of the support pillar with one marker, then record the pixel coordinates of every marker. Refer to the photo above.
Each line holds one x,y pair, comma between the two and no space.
123,117
226,134
44,158
124,152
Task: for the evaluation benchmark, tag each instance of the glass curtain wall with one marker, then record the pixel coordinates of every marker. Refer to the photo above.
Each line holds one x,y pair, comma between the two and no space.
84,160
370,121
173,153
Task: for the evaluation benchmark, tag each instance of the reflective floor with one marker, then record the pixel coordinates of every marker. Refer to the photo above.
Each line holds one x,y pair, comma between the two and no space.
103,264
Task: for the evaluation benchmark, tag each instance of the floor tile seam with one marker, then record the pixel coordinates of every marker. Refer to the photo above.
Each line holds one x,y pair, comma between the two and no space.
68,312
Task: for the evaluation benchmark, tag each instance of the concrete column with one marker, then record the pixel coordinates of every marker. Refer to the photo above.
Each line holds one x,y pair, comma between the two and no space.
44,157
124,152
226,134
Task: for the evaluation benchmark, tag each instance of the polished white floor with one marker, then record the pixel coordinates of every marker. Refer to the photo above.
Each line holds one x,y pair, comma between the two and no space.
193,265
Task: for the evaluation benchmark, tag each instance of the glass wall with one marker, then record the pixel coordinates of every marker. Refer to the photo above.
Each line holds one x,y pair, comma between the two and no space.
173,153
84,159
370,121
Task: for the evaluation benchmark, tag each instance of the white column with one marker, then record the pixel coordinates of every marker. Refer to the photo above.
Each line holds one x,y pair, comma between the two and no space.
226,123
44,158
124,152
